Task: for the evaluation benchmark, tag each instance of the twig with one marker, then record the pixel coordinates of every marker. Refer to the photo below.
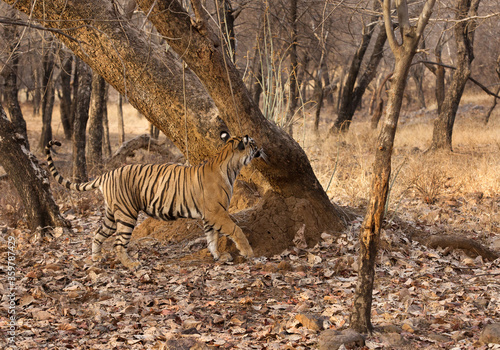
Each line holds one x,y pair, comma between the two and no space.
15,22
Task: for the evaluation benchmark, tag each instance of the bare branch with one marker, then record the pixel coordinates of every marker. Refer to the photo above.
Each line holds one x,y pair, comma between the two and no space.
17,22
395,47
484,88
424,16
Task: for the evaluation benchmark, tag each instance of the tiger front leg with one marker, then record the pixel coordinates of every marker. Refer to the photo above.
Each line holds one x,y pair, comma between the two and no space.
226,226
213,242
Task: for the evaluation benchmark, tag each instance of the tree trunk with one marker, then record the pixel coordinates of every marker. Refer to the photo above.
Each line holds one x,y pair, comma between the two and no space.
346,112
464,39
10,93
293,88
96,116
30,180
370,71
369,235
47,96
65,96
37,96
290,199
80,122
106,143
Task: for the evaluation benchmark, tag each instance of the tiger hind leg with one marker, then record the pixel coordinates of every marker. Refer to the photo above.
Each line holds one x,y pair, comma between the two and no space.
105,230
124,227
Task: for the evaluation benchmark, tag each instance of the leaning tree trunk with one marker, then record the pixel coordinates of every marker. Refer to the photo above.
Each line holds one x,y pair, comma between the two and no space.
464,38
80,122
96,117
370,229
29,179
127,59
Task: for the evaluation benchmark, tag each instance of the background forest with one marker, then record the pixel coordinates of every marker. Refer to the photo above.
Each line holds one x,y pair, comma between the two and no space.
118,83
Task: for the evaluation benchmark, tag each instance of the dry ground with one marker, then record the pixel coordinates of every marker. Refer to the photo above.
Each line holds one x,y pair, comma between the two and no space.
424,298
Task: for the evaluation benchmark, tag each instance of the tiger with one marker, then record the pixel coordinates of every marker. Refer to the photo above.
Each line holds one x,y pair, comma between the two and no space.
168,192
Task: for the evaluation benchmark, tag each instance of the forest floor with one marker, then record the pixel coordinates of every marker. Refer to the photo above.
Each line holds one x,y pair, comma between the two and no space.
423,298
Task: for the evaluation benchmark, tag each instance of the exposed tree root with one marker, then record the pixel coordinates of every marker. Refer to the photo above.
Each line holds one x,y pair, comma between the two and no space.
470,246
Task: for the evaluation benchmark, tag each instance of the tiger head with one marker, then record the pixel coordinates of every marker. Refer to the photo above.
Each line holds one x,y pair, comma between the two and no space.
243,149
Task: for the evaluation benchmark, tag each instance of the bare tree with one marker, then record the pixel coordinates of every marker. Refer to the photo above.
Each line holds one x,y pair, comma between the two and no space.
293,88
370,230
96,118
65,93
10,73
48,86
346,110
80,122
464,30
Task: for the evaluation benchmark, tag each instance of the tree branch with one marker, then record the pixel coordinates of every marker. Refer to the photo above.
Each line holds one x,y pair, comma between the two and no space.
389,28
484,88
423,19
16,22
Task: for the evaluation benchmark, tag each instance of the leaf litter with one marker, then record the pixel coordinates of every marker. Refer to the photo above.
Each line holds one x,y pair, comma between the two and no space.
422,298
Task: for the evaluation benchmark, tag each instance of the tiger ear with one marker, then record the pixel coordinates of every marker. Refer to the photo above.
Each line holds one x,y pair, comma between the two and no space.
224,135
241,145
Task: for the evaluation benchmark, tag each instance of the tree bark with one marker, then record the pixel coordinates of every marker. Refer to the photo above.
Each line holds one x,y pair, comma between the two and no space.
80,122
464,39
369,235
30,180
96,117
126,58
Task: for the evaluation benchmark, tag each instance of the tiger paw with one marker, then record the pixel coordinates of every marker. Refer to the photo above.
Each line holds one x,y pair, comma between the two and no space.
98,258
132,265
225,257
247,252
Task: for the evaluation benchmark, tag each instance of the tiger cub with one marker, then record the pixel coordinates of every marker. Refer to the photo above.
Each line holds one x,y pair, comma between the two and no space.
168,192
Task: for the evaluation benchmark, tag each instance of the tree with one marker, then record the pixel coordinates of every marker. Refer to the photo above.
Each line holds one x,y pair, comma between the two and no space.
29,179
80,121
96,118
370,229
293,88
464,39
346,108
10,75
65,94
154,82
48,87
